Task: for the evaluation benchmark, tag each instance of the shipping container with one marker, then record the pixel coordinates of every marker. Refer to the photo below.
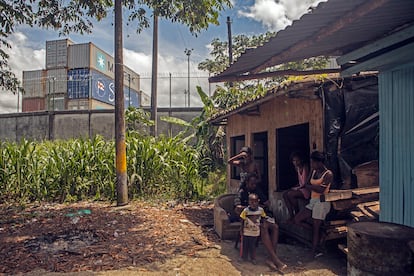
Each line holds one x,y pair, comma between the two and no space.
57,53
33,104
57,81
78,84
102,62
145,99
34,83
79,56
100,105
103,89
131,79
55,102
85,83
78,104
87,55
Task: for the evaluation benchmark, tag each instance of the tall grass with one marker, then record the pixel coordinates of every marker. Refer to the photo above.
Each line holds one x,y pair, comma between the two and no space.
81,168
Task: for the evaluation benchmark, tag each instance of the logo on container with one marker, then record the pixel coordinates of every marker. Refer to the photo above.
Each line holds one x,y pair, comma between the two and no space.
101,88
100,61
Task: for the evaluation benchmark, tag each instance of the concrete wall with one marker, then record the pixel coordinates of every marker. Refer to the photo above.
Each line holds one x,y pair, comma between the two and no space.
77,123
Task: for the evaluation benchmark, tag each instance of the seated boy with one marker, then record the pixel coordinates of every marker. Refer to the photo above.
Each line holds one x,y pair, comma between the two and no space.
250,228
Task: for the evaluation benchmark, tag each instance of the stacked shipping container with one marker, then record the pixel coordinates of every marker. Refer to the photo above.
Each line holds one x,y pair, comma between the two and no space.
78,76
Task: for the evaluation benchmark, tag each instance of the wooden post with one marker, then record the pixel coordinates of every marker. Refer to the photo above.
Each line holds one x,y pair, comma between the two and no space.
120,147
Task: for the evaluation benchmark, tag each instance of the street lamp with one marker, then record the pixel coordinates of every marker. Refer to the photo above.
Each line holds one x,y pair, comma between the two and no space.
48,80
188,53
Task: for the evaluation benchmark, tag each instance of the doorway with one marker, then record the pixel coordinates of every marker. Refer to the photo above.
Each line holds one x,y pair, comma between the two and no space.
288,140
260,151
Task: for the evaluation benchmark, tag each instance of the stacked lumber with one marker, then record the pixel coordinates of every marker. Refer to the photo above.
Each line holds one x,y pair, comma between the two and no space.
361,203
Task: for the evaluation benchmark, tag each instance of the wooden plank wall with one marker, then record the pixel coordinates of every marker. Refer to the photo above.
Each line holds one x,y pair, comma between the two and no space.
277,113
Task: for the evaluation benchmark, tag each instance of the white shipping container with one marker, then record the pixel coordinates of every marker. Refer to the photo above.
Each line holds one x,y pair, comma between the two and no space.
79,56
95,104
102,61
34,83
78,104
57,79
57,53
145,100
55,102
51,54
131,78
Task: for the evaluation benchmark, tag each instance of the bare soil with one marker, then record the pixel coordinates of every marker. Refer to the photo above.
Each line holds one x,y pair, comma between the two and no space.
142,238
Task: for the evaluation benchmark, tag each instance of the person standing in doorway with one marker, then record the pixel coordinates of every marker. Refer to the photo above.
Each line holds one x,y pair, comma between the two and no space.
244,160
299,191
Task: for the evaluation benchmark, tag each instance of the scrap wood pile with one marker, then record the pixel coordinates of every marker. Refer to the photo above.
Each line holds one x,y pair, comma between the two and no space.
352,205
97,236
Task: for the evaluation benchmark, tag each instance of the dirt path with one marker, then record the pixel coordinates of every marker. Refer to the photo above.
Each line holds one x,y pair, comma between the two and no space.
140,239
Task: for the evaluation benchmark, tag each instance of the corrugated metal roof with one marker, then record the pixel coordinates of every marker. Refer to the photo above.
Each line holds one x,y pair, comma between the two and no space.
305,88
333,28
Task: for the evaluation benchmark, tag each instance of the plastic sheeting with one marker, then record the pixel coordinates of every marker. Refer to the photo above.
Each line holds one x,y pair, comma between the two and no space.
351,124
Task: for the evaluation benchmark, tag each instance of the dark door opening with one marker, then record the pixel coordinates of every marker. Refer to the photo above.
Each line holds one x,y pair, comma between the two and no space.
260,156
288,140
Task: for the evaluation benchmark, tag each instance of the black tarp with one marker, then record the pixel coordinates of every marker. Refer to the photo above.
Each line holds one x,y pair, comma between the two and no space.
351,122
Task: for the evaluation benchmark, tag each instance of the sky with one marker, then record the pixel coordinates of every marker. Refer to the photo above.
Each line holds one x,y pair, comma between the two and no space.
249,17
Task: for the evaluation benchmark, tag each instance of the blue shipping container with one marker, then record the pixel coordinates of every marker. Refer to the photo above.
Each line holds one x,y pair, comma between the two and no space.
85,82
103,89
78,84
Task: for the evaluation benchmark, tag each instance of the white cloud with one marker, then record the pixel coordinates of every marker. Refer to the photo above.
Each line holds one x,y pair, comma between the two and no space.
277,14
178,67
21,57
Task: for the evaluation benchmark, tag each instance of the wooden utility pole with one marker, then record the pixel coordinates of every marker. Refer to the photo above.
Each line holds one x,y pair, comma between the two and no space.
120,147
154,77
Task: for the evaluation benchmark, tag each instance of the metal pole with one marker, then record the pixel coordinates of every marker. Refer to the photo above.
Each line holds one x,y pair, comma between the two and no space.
170,93
120,146
129,90
188,53
48,94
170,112
18,100
154,106
54,91
230,40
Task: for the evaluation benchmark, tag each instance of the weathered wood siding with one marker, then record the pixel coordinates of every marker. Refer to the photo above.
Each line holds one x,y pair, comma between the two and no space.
278,112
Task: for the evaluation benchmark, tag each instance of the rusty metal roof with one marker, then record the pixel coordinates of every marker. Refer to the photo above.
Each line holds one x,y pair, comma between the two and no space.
333,28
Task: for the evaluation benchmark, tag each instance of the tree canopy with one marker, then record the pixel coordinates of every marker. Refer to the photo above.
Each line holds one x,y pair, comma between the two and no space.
78,16
238,92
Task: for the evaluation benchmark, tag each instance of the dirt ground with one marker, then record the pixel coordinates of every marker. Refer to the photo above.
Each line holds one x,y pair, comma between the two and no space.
142,238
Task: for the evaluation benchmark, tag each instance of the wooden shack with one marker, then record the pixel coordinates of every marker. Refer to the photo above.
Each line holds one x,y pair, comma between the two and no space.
306,115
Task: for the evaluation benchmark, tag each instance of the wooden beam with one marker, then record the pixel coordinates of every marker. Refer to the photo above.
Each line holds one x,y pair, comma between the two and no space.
336,26
335,195
377,45
351,203
263,75
366,190
387,60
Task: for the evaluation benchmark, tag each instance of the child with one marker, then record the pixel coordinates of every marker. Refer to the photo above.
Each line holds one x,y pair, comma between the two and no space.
250,229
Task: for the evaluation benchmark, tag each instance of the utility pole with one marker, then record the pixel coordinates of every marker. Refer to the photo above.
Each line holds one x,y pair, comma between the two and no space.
120,147
170,112
18,100
154,106
129,90
188,53
230,44
230,40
